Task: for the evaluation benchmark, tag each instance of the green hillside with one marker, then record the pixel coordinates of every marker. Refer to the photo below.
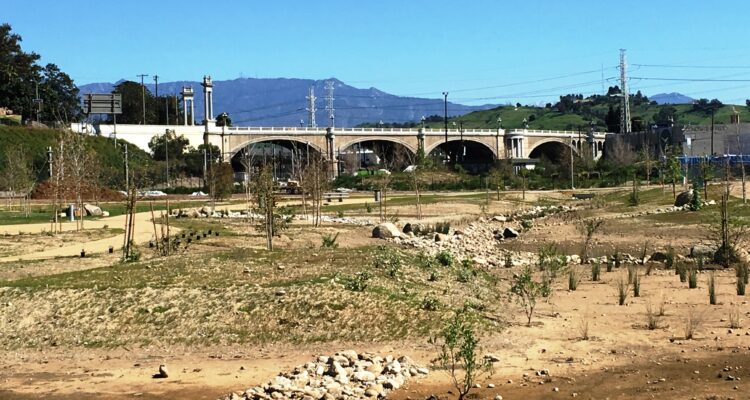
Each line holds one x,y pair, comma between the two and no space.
36,141
596,109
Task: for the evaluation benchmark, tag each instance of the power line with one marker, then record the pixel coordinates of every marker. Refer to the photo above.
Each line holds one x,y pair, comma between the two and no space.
693,66
690,79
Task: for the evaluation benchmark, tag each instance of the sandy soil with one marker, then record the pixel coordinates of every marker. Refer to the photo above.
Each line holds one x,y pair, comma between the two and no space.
622,358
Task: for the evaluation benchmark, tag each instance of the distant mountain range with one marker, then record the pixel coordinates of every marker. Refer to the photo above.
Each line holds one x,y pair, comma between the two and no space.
671,98
281,102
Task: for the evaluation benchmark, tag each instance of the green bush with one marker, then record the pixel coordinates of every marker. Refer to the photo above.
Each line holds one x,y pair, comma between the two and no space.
445,258
358,282
430,304
329,241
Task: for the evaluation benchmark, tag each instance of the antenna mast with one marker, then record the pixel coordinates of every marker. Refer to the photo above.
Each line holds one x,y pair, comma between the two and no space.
329,103
625,112
311,108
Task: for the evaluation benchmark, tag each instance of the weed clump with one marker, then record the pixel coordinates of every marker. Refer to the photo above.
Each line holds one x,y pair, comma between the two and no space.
622,290
445,258
329,241
357,282
595,271
572,279
692,278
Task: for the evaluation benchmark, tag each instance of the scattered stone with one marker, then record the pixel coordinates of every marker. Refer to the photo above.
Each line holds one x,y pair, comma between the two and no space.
683,198
499,218
386,230
92,210
510,233
345,375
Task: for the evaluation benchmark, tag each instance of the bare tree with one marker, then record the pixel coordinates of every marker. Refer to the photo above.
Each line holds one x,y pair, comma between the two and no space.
315,182
263,187
18,176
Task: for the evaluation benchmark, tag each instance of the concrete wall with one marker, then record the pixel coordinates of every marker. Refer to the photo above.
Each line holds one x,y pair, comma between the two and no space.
140,135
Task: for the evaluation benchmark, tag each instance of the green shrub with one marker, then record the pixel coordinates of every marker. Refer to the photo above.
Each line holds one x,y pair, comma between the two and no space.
508,260
465,275
368,207
610,265
329,241
527,224
358,282
445,258
389,260
459,354
527,291
430,304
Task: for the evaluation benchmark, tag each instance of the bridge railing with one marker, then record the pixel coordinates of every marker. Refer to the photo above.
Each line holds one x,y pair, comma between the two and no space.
403,131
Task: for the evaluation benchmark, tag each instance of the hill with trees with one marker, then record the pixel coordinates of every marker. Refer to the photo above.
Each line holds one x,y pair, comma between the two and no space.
574,112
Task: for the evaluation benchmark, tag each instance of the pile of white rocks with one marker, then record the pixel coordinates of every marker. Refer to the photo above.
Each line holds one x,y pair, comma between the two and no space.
345,375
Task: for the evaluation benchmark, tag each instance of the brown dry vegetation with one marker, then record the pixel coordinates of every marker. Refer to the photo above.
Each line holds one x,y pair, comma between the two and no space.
110,324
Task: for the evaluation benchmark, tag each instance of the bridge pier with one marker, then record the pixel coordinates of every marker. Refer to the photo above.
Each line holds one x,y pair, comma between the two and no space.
330,153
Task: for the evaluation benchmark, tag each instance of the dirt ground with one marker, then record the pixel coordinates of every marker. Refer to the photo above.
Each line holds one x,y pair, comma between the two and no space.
621,358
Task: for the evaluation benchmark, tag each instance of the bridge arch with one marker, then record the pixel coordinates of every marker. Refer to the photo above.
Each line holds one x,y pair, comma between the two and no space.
472,155
313,146
352,142
429,149
551,148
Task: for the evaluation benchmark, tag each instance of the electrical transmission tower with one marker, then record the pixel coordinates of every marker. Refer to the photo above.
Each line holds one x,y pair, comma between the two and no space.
311,108
329,103
625,108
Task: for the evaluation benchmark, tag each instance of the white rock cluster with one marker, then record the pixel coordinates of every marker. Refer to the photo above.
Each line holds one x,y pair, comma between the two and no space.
343,376
477,240
205,212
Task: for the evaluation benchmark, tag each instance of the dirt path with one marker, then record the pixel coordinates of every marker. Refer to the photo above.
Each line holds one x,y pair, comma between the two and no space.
144,231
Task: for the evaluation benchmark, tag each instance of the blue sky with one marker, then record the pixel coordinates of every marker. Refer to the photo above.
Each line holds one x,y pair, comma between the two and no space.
480,51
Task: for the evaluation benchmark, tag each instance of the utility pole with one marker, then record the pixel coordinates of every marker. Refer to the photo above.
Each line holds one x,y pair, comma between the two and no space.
329,103
625,108
156,94
143,97
311,108
127,171
445,122
166,152
38,102
713,111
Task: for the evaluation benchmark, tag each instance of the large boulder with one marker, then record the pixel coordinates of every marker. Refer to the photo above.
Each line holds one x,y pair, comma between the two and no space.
510,233
386,230
92,210
703,250
683,198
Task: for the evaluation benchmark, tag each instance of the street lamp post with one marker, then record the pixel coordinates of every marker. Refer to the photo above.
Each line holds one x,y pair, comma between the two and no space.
166,152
